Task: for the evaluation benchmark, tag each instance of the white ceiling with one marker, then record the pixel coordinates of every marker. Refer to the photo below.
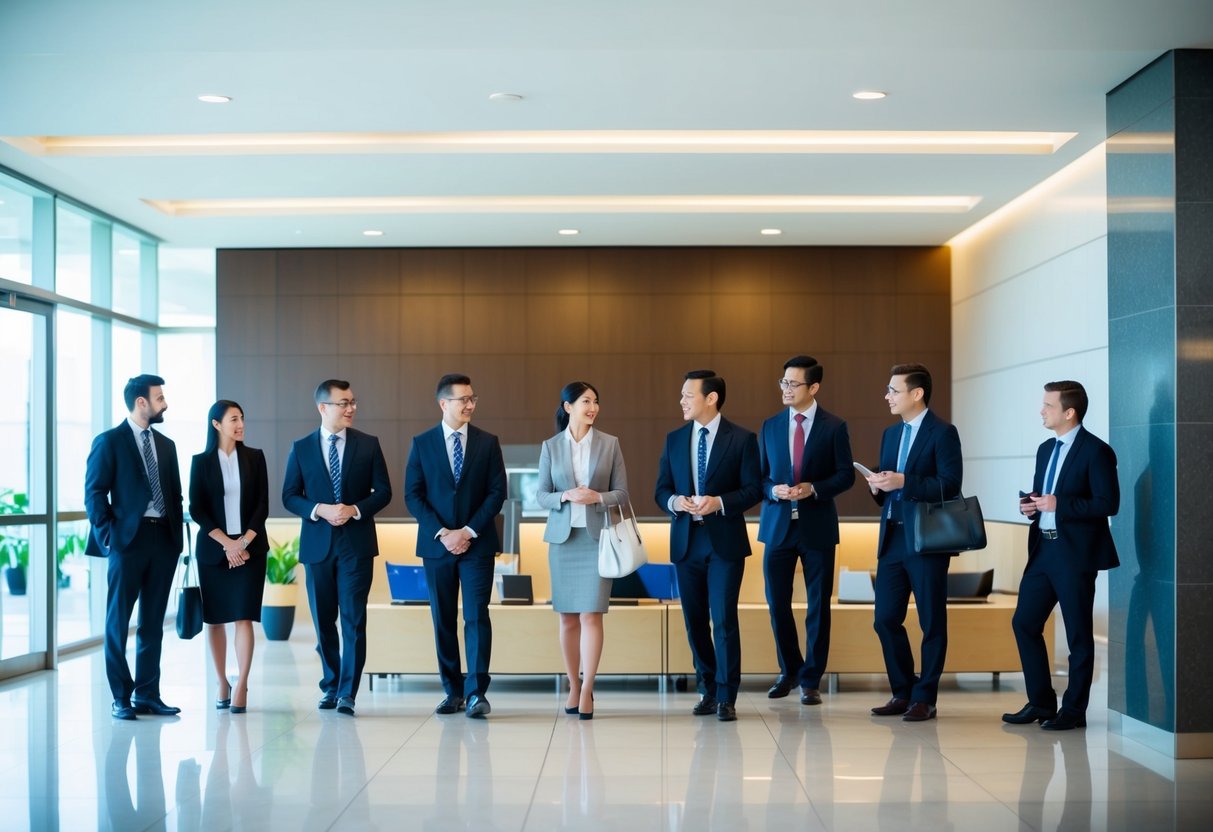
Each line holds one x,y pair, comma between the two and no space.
135,67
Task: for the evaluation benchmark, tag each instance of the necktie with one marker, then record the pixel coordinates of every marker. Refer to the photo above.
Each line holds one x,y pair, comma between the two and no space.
458,457
153,473
334,468
798,450
703,460
902,455
1052,472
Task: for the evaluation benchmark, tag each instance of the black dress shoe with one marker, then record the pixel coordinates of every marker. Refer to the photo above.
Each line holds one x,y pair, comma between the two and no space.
919,712
327,703
345,705
725,712
705,707
450,705
1029,713
1065,721
894,707
478,707
122,710
782,687
153,706
810,696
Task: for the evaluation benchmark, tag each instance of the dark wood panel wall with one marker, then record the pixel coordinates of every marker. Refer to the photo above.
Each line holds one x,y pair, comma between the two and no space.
523,322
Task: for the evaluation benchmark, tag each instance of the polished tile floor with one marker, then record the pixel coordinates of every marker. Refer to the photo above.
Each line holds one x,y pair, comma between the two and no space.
643,763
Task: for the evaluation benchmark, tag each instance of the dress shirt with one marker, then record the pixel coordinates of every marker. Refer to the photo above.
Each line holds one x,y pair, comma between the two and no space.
713,428
579,455
914,424
229,465
447,433
1048,519
809,416
151,504
324,454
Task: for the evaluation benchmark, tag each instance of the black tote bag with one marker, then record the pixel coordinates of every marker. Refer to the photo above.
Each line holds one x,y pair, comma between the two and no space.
949,526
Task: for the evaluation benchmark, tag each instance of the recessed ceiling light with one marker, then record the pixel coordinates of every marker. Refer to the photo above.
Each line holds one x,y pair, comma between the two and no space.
569,232
371,232
210,98
869,95
505,96
771,232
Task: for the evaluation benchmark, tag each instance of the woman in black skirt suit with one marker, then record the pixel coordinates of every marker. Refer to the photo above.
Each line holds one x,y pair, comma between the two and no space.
229,500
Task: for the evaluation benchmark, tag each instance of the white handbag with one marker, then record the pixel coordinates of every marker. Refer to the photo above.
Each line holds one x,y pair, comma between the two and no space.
620,549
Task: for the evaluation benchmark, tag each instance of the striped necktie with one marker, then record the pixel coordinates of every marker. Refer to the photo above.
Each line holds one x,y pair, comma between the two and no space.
334,468
153,473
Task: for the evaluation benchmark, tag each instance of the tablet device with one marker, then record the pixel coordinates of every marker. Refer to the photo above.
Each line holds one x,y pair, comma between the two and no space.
863,469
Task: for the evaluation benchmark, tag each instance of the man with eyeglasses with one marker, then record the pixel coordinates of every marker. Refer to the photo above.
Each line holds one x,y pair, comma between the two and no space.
920,461
805,454
454,484
337,481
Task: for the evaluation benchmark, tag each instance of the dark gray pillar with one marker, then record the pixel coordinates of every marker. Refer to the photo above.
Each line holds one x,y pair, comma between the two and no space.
1160,362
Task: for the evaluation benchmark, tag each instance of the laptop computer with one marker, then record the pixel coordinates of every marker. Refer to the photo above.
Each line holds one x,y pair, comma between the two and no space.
407,584
970,587
650,583
856,587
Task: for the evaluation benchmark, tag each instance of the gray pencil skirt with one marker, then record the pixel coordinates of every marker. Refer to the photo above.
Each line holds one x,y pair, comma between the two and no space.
576,584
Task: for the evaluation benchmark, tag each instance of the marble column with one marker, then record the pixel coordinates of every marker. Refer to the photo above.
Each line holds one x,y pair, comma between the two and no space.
1160,362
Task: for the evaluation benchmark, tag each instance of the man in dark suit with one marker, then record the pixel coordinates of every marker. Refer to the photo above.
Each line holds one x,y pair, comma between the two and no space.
708,476
920,461
1074,492
132,493
805,454
455,486
337,480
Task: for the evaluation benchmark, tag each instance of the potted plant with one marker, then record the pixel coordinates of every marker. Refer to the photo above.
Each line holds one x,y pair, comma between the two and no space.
14,548
69,544
281,591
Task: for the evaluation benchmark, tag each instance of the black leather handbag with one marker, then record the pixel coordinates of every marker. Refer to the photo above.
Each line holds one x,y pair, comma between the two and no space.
949,526
189,598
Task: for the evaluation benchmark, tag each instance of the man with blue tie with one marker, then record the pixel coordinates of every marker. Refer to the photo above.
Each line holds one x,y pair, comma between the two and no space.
708,476
920,461
455,485
1074,492
132,494
337,481
805,453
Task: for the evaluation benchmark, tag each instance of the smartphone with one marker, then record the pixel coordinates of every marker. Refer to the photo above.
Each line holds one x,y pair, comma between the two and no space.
863,469
1025,497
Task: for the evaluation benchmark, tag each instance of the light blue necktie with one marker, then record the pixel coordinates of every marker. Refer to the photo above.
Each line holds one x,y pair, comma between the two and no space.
703,460
334,468
1052,472
902,455
458,457
153,473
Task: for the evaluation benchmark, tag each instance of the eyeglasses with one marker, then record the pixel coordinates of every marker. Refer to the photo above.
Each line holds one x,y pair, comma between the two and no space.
344,404
893,391
463,400
788,384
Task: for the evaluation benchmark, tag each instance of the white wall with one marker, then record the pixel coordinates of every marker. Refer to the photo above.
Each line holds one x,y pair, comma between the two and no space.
1029,305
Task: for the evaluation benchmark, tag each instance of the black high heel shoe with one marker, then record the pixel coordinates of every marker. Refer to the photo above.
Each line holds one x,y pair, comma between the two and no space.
224,704
239,709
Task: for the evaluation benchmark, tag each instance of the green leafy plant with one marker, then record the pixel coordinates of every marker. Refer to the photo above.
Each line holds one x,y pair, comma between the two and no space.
69,544
281,562
14,548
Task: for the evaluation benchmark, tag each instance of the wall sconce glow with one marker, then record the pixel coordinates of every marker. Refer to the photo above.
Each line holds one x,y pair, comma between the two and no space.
868,95
371,232
210,98
771,232
569,232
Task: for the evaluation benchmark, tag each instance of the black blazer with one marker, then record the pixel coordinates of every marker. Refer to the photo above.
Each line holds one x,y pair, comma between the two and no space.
364,484
733,475
116,490
206,501
1088,493
433,498
827,450
934,467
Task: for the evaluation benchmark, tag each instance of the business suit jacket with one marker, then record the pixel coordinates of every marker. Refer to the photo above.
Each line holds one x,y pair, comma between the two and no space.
1088,493
934,467
733,475
607,476
207,506
364,484
438,503
116,490
827,454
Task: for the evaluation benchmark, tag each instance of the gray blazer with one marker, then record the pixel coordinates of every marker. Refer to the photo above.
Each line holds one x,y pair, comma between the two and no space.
607,476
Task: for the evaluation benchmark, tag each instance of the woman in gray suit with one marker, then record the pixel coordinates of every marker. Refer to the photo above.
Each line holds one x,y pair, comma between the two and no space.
581,473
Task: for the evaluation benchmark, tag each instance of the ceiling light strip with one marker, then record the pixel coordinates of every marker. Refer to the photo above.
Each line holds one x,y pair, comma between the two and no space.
690,204
554,141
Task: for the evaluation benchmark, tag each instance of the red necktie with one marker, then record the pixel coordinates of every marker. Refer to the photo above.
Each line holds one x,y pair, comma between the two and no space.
798,450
